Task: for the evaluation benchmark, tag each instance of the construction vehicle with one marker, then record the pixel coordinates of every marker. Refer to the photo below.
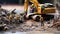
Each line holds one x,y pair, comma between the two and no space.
38,11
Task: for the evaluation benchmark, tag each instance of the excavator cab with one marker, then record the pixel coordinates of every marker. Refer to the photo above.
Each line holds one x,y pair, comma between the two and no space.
33,8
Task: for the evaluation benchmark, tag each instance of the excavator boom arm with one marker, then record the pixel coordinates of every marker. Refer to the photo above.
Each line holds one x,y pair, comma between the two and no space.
35,2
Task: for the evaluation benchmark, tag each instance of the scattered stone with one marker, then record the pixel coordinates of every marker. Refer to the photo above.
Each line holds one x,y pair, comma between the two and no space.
3,27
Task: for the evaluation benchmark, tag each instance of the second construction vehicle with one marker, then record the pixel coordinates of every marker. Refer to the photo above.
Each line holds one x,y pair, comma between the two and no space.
38,11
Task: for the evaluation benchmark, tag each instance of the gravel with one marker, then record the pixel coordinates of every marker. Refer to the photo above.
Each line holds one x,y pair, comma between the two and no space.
32,26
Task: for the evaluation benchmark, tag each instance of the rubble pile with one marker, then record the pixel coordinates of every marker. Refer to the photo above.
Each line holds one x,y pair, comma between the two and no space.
33,26
56,25
10,18
36,26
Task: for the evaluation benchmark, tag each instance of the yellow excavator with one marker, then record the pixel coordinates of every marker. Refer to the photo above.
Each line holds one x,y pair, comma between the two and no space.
38,11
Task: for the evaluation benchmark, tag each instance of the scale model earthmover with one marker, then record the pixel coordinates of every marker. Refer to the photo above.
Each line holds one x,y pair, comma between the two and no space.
38,12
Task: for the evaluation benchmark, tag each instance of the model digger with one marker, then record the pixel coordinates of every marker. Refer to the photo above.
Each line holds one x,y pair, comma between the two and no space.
38,11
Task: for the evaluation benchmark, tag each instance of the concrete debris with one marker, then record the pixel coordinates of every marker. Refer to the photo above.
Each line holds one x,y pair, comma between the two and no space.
3,27
56,24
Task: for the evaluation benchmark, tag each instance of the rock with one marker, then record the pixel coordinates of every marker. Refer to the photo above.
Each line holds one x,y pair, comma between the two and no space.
33,27
3,27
